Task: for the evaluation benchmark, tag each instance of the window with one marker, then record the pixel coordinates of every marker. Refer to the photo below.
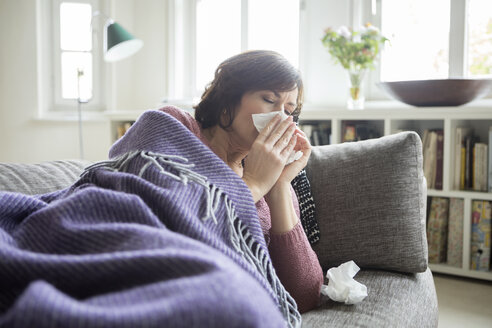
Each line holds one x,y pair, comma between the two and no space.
432,39
268,29
419,32
73,54
436,39
76,50
214,42
479,38
198,48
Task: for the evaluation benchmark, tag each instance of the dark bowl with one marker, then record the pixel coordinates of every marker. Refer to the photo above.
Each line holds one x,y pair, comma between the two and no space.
428,93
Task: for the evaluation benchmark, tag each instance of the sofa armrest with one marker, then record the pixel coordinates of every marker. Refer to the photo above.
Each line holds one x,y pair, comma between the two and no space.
370,199
40,178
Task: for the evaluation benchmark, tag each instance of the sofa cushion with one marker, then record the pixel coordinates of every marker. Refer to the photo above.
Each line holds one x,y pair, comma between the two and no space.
394,300
40,178
370,199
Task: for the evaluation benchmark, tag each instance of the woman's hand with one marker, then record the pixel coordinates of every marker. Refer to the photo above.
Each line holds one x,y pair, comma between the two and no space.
290,171
266,160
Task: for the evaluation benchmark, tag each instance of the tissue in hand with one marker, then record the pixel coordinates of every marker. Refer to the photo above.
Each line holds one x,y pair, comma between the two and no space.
342,287
261,120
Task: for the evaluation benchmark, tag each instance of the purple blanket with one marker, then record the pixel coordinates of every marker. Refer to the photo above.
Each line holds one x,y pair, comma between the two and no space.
163,234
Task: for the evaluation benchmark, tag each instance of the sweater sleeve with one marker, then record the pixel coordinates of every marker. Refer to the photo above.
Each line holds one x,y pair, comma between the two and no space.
184,117
297,266
295,262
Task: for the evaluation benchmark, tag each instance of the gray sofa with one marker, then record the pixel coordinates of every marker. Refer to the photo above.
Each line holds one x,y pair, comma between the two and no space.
370,201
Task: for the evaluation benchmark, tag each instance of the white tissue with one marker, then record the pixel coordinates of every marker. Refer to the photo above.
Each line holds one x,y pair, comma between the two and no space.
261,120
342,287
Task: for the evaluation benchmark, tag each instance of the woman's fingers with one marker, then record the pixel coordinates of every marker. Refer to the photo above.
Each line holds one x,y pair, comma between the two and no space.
286,137
299,131
279,131
267,130
303,142
290,146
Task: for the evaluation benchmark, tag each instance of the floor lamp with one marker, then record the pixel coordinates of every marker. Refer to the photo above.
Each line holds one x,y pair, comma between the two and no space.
118,44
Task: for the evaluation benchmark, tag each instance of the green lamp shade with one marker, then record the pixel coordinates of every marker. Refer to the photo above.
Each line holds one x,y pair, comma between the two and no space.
120,43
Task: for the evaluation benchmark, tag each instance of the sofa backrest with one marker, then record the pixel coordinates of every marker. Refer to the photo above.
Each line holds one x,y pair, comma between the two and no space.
370,199
40,178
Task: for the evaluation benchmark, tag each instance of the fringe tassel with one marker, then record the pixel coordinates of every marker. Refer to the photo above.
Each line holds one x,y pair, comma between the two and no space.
245,244
241,239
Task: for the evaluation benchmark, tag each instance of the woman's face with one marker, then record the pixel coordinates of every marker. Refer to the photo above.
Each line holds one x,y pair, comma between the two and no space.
256,102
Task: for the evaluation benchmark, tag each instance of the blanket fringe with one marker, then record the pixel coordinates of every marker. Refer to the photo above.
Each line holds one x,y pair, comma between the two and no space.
246,245
241,239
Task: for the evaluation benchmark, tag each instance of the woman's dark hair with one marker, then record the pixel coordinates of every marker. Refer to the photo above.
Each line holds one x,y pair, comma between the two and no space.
249,71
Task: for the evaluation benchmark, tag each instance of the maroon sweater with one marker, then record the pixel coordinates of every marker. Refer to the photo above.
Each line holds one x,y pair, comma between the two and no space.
295,262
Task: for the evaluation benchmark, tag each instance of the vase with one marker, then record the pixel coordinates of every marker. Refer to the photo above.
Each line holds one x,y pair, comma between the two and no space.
356,96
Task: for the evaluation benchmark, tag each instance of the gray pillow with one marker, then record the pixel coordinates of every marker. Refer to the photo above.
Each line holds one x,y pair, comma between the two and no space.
370,199
40,178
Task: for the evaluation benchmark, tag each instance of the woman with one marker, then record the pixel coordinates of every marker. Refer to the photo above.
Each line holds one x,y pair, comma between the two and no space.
261,82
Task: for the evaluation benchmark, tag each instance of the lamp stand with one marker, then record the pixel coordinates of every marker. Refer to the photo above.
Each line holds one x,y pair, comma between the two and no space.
80,73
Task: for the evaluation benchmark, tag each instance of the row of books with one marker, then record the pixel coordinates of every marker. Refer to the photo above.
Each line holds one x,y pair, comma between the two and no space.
472,164
318,133
121,128
433,150
445,232
359,130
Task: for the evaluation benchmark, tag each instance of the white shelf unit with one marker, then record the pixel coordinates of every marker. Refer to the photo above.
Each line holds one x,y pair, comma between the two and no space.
420,119
389,119
117,118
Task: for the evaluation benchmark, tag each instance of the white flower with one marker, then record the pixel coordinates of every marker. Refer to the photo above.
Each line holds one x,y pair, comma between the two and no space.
344,31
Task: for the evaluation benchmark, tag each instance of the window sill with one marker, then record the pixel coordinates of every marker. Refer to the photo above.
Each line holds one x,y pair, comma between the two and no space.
477,105
71,117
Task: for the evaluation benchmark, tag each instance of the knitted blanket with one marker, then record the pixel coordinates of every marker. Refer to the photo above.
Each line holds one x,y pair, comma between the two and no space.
162,234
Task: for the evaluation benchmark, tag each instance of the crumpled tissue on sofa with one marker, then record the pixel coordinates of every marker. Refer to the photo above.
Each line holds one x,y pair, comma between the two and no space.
342,287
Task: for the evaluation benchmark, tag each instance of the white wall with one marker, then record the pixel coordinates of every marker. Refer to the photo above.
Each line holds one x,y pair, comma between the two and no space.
139,82
136,83
22,137
325,82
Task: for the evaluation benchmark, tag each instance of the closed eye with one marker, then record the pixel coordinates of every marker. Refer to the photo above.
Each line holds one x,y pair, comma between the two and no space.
269,101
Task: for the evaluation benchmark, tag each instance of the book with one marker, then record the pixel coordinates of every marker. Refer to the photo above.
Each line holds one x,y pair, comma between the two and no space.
122,128
463,166
479,173
490,161
455,232
439,160
484,167
315,138
430,159
349,133
469,144
461,133
358,130
425,140
324,132
120,131
437,229
480,235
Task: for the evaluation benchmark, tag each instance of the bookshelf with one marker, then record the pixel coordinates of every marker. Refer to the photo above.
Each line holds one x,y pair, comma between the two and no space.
389,117
390,120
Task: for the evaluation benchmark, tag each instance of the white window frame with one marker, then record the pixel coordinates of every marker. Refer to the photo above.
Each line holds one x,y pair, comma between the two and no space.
371,12
49,59
181,23
181,59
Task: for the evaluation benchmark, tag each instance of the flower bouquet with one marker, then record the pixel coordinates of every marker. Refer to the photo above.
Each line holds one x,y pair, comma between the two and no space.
356,51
